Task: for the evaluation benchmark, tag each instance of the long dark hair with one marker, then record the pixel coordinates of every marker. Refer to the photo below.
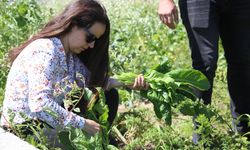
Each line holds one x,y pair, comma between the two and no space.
82,13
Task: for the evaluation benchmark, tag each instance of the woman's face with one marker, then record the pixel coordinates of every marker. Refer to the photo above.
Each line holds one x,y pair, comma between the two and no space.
80,39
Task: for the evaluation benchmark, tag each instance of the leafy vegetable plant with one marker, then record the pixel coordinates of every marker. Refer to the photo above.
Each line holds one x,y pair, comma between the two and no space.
169,88
91,105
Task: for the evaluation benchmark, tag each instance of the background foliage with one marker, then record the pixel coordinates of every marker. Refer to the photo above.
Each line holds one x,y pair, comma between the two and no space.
18,20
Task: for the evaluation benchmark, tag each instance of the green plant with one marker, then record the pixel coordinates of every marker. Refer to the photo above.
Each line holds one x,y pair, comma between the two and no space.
94,108
213,138
30,130
168,88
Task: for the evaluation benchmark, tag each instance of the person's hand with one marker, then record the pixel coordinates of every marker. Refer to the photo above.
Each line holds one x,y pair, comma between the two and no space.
91,127
168,13
139,84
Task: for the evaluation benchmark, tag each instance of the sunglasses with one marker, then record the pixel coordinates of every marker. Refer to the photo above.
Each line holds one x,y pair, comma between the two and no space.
90,37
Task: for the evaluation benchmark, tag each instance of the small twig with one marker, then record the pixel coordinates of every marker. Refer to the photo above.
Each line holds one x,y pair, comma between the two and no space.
118,133
74,106
92,100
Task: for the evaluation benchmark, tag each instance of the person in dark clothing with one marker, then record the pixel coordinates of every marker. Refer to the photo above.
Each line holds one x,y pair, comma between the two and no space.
206,21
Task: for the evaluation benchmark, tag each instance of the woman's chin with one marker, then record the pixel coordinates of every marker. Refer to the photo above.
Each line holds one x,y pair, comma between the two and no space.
78,51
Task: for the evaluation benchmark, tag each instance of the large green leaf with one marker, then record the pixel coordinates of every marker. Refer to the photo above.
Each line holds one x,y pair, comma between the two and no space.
187,107
187,91
88,94
191,77
165,109
64,138
163,67
151,74
157,109
127,78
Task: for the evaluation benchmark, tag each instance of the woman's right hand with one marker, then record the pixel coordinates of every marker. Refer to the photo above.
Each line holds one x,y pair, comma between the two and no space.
91,127
139,83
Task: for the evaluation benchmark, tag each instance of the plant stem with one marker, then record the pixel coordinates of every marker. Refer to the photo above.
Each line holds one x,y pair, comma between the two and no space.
118,133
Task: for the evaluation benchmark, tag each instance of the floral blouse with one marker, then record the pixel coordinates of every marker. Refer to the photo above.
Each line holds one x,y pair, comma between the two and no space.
34,80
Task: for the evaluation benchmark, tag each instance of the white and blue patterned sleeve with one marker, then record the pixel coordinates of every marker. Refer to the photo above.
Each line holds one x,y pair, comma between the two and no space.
41,74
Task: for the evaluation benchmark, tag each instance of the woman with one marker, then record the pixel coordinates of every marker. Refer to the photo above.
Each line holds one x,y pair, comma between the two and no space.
74,42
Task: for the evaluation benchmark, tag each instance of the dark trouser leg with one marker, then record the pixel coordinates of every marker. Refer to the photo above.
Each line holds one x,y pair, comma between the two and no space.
203,43
112,100
235,35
